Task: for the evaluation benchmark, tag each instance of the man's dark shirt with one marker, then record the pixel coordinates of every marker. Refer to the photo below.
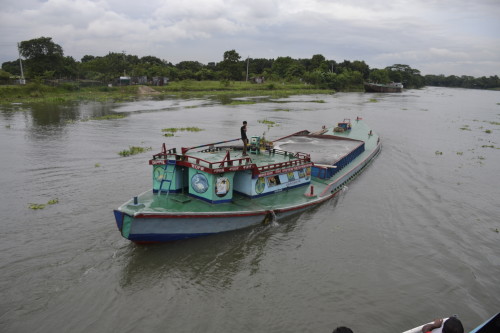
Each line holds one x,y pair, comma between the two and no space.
243,133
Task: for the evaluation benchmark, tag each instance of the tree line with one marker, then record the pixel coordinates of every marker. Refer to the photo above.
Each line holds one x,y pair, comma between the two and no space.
45,59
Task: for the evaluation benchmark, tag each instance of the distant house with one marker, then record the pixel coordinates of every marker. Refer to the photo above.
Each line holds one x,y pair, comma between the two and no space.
140,80
125,80
257,79
160,81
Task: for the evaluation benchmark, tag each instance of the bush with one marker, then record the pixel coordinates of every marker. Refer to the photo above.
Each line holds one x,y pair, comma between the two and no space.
69,86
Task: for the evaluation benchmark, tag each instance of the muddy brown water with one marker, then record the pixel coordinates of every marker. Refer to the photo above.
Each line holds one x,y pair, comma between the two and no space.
415,237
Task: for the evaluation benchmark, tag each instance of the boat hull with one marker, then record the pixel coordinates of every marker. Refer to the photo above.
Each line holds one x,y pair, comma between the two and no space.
382,88
166,227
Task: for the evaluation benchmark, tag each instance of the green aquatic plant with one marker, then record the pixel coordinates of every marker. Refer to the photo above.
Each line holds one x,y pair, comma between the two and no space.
487,131
42,206
287,110
372,100
187,129
460,153
97,165
241,102
494,122
134,150
269,123
109,116
191,129
438,152
465,128
36,206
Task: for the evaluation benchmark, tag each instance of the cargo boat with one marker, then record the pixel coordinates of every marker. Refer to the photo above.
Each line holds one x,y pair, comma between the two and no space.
214,188
393,87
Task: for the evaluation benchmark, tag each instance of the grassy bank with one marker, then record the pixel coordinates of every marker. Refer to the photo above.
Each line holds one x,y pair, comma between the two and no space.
41,93
36,92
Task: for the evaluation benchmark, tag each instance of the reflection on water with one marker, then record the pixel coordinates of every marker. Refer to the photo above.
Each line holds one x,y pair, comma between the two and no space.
204,263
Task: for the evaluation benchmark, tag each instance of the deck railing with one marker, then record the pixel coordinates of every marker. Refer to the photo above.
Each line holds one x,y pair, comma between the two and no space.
244,163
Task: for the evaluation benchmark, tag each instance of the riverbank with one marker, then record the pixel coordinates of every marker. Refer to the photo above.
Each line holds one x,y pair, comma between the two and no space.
39,93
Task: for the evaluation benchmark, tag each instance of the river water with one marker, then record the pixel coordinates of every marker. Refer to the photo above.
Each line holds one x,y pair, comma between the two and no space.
415,237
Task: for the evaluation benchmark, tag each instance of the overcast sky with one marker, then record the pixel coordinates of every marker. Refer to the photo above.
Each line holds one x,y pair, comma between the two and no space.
460,37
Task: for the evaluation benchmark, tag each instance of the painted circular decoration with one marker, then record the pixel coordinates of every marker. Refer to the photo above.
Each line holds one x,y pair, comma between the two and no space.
199,183
308,173
222,186
158,173
260,185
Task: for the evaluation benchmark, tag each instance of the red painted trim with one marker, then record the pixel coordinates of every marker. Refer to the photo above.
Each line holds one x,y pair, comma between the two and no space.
199,216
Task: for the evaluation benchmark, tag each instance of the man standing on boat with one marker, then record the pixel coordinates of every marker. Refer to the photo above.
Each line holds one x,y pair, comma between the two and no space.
244,137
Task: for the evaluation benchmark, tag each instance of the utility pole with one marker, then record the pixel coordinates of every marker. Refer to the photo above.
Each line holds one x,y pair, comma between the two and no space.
22,81
248,58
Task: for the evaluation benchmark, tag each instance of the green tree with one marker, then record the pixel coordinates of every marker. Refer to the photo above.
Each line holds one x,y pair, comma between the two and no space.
259,66
12,67
87,58
361,67
193,66
318,61
379,76
231,65
70,68
294,71
42,55
281,66
151,60
410,77
205,74
4,76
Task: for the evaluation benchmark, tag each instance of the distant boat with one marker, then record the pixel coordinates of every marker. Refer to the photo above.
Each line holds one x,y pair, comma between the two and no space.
217,189
392,87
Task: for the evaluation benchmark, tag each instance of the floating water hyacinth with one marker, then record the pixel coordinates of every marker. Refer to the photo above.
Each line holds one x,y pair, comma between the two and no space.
187,129
36,206
53,201
134,150
42,206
